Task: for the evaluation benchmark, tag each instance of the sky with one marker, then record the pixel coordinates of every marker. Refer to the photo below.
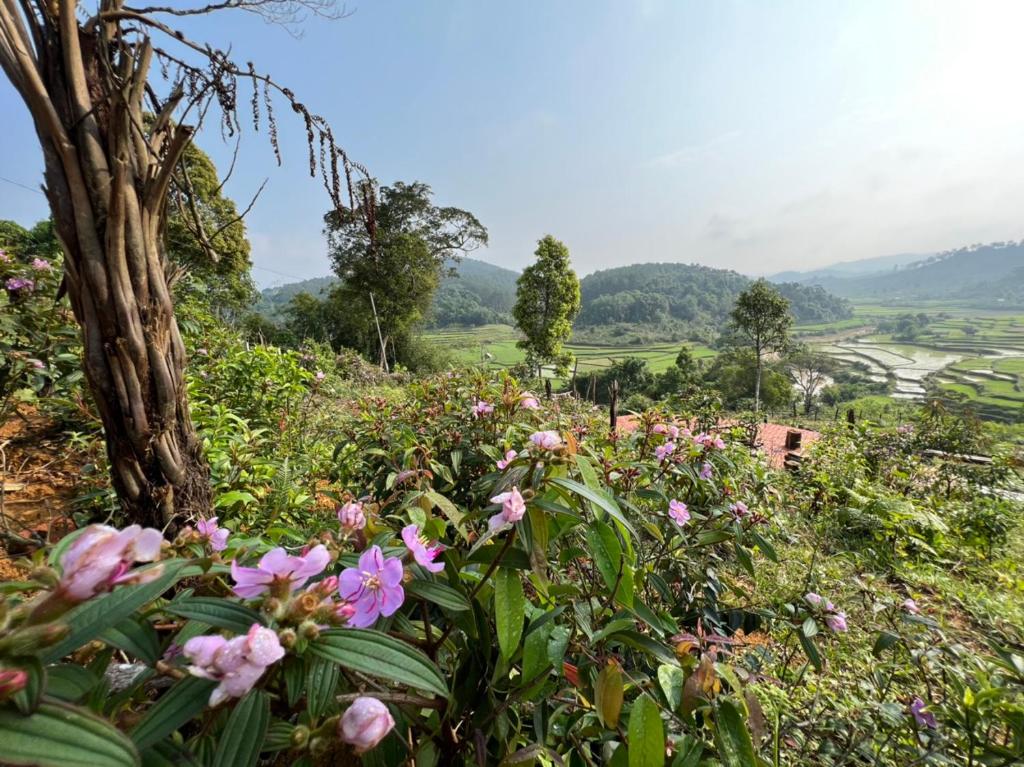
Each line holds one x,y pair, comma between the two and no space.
756,136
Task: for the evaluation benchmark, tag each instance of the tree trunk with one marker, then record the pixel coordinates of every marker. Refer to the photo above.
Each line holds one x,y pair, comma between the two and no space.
106,182
757,385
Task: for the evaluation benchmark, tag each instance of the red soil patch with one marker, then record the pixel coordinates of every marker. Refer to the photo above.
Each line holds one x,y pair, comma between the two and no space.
39,478
771,438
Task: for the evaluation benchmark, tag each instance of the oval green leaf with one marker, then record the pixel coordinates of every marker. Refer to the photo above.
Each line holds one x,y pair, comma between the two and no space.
377,654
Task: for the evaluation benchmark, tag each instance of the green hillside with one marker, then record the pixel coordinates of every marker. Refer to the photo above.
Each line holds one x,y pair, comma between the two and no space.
671,300
985,275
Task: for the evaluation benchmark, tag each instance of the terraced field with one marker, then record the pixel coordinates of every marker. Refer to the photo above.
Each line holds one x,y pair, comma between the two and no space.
495,347
979,357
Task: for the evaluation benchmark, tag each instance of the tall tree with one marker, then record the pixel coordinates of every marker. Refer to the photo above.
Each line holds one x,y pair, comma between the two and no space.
810,371
206,234
547,302
390,278
762,319
112,140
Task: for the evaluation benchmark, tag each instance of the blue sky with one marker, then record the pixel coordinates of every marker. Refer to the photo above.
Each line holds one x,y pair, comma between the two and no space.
758,136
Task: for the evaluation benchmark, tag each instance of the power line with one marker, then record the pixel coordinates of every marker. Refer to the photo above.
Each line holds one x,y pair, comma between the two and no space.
23,186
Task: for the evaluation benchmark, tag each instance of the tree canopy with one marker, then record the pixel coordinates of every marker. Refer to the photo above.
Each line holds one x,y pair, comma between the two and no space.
762,319
547,302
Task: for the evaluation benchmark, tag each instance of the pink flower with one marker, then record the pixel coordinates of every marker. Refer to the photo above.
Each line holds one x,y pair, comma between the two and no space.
707,440
911,606
659,428
404,475
834,618
836,621
236,663
667,428
320,375
217,536
16,284
481,408
528,402
279,572
40,265
706,471
374,588
922,715
420,550
510,456
663,452
739,509
679,512
4,258
546,440
101,558
351,516
513,507
365,724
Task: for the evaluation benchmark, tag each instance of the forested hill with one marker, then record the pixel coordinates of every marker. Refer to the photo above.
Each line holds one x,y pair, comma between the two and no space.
477,294
673,296
989,274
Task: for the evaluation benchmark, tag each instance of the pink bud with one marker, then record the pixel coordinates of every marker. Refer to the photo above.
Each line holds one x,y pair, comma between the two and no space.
11,681
351,516
365,724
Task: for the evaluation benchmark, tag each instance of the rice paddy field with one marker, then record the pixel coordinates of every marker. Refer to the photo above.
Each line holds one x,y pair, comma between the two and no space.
962,351
495,347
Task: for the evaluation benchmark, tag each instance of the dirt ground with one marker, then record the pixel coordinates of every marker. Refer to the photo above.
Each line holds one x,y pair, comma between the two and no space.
39,478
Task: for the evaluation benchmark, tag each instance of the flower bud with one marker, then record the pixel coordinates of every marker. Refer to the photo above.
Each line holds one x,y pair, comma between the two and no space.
46,576
287,638
12,680
309,630
300,736
365,724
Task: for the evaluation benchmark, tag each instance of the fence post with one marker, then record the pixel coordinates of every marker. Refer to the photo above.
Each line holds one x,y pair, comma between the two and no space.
614,404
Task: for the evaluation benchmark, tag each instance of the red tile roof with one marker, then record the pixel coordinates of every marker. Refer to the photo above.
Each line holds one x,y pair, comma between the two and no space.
771,438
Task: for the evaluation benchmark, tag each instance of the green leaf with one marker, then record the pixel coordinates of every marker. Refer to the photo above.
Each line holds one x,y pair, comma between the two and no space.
294,671
509,610
92,618
222,613
809,628
735,746
187,699
599,499
377,654
279,736
438,593
234,497
136,637
241,740
69,682
884,642
535,652
587,472
607,552
449,509
62,735
514,557
671,680
711,537
810,650
27,698
321,682
646,734
169,754
766,548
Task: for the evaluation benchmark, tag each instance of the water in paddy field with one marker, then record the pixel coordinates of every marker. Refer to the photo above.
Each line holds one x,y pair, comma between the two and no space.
910,365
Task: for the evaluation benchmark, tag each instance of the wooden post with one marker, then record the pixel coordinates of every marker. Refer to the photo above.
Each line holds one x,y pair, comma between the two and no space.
614,414
547,388
380,336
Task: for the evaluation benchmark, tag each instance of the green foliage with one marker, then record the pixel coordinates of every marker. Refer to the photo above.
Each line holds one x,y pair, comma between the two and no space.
761,319
547,302
39,341
400,266
206,236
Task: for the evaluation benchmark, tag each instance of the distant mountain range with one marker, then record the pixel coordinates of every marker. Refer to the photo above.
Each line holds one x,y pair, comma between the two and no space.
859,268
983,275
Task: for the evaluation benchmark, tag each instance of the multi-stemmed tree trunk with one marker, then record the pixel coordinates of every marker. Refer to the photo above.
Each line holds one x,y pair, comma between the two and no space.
110,148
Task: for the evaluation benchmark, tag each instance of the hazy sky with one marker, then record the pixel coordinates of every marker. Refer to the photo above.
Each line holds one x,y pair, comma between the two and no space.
758,136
